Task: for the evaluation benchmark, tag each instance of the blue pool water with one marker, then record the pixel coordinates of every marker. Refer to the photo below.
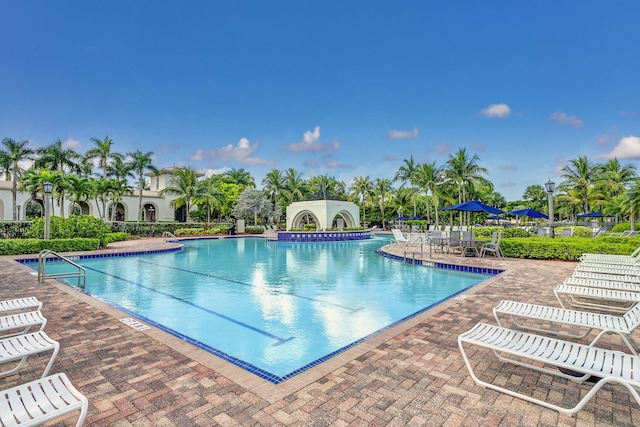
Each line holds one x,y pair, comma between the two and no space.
273,308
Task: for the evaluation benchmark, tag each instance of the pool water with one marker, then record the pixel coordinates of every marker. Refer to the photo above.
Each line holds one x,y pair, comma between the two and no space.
272,308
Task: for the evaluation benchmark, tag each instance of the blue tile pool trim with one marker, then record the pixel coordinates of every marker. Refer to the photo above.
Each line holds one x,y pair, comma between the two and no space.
427,263
322,236
92,256
275,379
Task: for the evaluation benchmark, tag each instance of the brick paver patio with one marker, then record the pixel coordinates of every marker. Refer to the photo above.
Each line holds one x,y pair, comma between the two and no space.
412,375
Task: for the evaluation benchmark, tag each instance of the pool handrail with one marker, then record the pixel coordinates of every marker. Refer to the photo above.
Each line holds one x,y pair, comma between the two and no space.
81,274
168,236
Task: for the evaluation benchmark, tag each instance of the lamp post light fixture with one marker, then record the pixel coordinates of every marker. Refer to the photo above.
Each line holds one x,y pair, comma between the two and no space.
151,210
48,187
18,207
550,186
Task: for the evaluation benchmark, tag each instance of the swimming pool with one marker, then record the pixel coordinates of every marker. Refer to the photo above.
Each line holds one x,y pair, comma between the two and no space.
273,308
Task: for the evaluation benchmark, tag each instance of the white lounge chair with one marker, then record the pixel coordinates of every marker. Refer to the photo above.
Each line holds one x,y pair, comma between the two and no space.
575,296
22,346
603,284
635,255
609,269
39,401
398,237
609,365
605,276
24,321
20,304
606,323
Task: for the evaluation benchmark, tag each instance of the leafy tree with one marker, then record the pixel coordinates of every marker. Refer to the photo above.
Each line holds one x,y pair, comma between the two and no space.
293,186
536,195
210,195
254,203
55,157
273,184
579,177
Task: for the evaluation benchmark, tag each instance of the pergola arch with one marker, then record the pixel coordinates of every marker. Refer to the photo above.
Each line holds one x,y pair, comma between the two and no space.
324,212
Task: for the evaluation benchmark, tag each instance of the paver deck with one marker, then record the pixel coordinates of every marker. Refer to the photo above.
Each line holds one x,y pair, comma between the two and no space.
411,375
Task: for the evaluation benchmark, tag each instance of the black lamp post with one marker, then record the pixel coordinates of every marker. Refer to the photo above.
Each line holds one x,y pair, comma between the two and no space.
48,187
551,186
151,210
18,207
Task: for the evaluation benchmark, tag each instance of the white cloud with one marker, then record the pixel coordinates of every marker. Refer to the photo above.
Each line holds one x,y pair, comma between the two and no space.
565,119
628,113
627,148
404,134
71,143
208,173
496,111
241,153
311,142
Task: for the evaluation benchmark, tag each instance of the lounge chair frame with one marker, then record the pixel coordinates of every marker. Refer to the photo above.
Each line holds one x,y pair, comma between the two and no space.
20,304
22,346
39,401
596,298
609,365
24,320
623,326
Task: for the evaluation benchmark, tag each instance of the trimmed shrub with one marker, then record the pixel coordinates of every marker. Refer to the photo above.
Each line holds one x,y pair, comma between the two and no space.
34,246
115,237
258,230
564,249
67,228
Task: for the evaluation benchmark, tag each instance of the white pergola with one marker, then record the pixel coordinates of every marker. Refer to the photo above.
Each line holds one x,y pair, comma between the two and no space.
323,212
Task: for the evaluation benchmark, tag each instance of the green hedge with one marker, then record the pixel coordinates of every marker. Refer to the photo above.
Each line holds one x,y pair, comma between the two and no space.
115,237
68,228
565,249
34,246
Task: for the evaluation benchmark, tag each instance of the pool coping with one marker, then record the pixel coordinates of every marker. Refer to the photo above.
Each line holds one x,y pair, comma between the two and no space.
260,386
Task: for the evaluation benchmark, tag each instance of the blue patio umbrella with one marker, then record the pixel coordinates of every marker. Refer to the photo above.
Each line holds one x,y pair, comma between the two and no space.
591,215
415,218
400,218
497,217
530,213
473,206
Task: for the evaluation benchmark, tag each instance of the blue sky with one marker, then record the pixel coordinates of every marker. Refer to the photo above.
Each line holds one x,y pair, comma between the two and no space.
342,88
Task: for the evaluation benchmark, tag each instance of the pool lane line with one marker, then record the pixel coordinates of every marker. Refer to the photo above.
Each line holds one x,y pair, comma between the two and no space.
184,270
279,340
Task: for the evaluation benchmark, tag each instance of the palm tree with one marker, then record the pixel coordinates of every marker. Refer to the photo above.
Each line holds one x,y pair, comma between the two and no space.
186,186
102,152
80,188
430,177
322,185
580,176
118,188
362,189
465,172
633,202
141,162
293,186
273,184
10,158
407,174
209,194
383,192
33,183
241,177
55,157
536,195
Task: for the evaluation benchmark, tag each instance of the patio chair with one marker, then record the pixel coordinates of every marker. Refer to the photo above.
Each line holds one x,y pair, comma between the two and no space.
22,346
39,401
454,241
596,298
562,357
20,304
493,246
623,325
398,238
620,270
24,321
437,241
469,246
567,232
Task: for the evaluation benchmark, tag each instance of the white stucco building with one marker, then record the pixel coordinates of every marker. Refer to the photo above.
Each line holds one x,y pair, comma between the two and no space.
155,207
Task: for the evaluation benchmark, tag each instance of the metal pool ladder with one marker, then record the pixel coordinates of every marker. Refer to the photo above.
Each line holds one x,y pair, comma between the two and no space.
168,236
420,241
80,274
